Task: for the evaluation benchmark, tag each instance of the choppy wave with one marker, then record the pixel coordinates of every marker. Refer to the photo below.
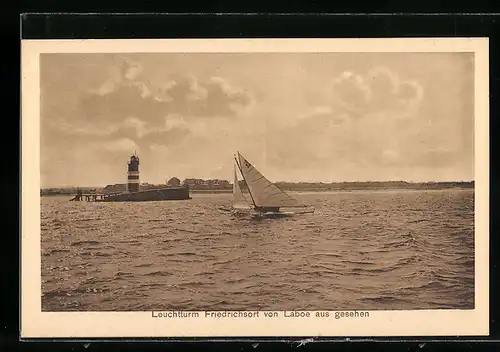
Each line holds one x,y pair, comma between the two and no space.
359,250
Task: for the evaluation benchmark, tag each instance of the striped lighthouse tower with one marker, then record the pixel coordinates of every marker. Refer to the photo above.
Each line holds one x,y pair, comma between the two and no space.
133,174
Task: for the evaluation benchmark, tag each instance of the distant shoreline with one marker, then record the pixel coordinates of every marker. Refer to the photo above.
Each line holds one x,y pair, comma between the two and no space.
304,190
300,187
316,190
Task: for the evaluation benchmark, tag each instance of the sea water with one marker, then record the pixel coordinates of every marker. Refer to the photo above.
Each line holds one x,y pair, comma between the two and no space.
359,250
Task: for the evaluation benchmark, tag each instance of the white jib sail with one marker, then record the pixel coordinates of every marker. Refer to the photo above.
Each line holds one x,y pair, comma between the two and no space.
239,200
264,193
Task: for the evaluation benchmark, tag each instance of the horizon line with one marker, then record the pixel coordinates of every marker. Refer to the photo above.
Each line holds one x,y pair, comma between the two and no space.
275,182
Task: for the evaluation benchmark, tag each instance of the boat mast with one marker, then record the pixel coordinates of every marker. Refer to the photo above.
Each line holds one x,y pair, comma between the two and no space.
241,172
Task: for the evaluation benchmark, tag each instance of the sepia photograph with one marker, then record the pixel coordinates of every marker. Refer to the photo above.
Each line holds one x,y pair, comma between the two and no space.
224,183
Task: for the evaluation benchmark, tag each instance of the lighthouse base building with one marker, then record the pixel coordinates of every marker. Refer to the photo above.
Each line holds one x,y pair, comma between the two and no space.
133,192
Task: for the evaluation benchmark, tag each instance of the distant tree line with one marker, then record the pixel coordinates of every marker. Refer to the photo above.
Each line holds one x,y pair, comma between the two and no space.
373,185
322,186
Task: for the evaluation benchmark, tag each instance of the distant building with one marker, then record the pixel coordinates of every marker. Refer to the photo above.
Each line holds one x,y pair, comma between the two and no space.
196,183
145,186
193,182
174,182
117,188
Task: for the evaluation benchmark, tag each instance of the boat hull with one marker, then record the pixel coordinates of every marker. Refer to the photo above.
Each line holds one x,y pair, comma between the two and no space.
274,214
170,193
286,213
263,214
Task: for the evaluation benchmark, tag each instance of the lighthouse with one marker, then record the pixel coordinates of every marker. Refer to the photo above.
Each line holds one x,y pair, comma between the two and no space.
133,174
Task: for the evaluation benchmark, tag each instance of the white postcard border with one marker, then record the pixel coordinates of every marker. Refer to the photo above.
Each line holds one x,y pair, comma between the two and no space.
38,324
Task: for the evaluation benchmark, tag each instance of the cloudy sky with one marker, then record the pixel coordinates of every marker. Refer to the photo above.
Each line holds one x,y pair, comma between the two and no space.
296,117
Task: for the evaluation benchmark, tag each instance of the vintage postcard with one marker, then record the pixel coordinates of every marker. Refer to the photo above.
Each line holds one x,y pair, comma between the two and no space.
255,187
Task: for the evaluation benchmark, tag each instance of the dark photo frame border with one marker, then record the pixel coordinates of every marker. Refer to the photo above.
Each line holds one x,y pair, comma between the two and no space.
138,26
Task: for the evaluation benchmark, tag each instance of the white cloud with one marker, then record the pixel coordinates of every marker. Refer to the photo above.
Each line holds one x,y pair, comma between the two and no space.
89,129
319,110
107,87
358,80
380,71
139,125
175,121
158,148
390,155
379,90
131,69
117,145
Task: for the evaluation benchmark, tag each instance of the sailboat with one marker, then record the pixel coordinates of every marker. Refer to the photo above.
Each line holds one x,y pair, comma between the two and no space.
266,199
239,203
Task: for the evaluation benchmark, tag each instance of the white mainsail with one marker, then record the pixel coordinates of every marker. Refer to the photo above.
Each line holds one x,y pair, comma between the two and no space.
264,193
239,200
